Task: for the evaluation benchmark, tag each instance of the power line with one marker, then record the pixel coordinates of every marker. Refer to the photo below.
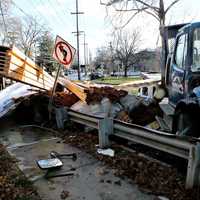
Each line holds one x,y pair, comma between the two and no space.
25,13
20,9
61,6
58,15
39,13
48,6
5,26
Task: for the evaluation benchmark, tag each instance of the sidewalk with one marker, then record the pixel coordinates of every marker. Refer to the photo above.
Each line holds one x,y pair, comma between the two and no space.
91,180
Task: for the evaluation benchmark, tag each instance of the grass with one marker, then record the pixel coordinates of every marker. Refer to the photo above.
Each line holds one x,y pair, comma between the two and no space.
134,91
116,80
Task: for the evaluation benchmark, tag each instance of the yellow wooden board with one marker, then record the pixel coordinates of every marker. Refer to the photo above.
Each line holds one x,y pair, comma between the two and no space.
15,65
74,88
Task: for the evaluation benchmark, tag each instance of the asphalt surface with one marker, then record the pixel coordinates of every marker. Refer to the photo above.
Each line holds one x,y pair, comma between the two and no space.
90,180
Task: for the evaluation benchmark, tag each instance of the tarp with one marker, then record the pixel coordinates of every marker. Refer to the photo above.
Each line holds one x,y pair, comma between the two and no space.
9,95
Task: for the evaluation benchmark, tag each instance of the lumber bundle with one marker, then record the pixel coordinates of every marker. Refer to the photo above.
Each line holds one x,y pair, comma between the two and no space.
16,66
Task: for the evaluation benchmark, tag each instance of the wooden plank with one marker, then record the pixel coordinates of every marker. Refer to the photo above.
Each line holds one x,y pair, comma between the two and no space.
17,77
74,88
15,58
19,65
21,73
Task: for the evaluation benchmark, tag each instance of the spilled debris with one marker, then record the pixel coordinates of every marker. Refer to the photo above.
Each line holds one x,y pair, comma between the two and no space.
106,152
33,105
32,99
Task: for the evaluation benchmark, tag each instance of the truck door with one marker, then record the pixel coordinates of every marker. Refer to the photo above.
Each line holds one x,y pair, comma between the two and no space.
177,71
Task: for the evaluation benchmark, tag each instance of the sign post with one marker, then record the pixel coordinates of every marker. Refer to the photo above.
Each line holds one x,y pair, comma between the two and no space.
64,54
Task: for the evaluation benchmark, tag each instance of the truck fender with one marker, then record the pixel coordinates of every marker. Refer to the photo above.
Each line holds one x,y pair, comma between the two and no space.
190,108
187,105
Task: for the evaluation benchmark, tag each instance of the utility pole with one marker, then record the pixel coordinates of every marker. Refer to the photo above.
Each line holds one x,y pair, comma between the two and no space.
84,45
77,13
85,53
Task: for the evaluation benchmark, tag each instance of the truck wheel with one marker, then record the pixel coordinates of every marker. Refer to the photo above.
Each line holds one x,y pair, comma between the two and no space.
184,124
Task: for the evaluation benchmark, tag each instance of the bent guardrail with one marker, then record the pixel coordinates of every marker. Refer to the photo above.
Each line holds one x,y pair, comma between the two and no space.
187,148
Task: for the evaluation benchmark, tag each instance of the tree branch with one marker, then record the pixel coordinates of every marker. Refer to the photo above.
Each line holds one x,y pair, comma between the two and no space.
171,5
152,14
121,27
148,5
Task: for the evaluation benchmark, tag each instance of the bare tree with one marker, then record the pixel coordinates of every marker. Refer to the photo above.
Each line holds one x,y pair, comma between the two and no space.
23,33
102,57
5,20
13,31
126,46
30,34
156,8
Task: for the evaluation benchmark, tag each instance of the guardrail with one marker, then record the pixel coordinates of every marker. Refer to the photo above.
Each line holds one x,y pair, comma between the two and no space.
187,148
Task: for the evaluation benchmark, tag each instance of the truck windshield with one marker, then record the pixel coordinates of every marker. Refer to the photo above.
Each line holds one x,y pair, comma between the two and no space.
196,51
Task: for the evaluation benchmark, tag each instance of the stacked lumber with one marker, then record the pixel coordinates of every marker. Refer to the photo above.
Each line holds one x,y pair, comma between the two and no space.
16,66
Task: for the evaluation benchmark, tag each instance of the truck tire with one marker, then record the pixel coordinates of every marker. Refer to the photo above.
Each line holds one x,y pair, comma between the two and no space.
184,123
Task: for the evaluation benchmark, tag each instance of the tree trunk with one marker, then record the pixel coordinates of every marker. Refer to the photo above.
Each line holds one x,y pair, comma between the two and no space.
125,70
163,34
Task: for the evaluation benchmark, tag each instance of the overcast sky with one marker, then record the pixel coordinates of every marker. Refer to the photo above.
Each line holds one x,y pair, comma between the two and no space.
57,15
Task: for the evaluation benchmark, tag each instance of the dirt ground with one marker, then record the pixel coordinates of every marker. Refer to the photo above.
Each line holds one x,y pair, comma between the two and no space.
13,184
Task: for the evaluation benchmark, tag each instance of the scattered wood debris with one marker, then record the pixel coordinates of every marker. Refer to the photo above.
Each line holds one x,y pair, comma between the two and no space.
96,94
65,99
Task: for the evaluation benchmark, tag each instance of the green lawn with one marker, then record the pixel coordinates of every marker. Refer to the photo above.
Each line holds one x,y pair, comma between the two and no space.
116,80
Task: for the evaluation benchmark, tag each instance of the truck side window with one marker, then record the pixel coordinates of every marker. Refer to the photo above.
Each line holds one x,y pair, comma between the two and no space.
196,50
181,51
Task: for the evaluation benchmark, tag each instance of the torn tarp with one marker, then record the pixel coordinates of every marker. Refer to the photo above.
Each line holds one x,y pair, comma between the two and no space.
9,96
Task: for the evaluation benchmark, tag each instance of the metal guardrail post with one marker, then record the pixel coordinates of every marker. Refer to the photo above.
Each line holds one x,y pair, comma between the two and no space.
61,117
105,128
193,171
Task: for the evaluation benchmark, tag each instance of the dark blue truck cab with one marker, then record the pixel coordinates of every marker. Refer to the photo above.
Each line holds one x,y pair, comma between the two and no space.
182,78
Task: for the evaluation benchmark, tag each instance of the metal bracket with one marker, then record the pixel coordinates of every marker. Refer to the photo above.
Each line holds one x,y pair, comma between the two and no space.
61,117
193,171
105,128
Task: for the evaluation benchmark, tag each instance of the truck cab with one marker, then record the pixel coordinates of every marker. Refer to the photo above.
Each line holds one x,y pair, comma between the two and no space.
182,79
